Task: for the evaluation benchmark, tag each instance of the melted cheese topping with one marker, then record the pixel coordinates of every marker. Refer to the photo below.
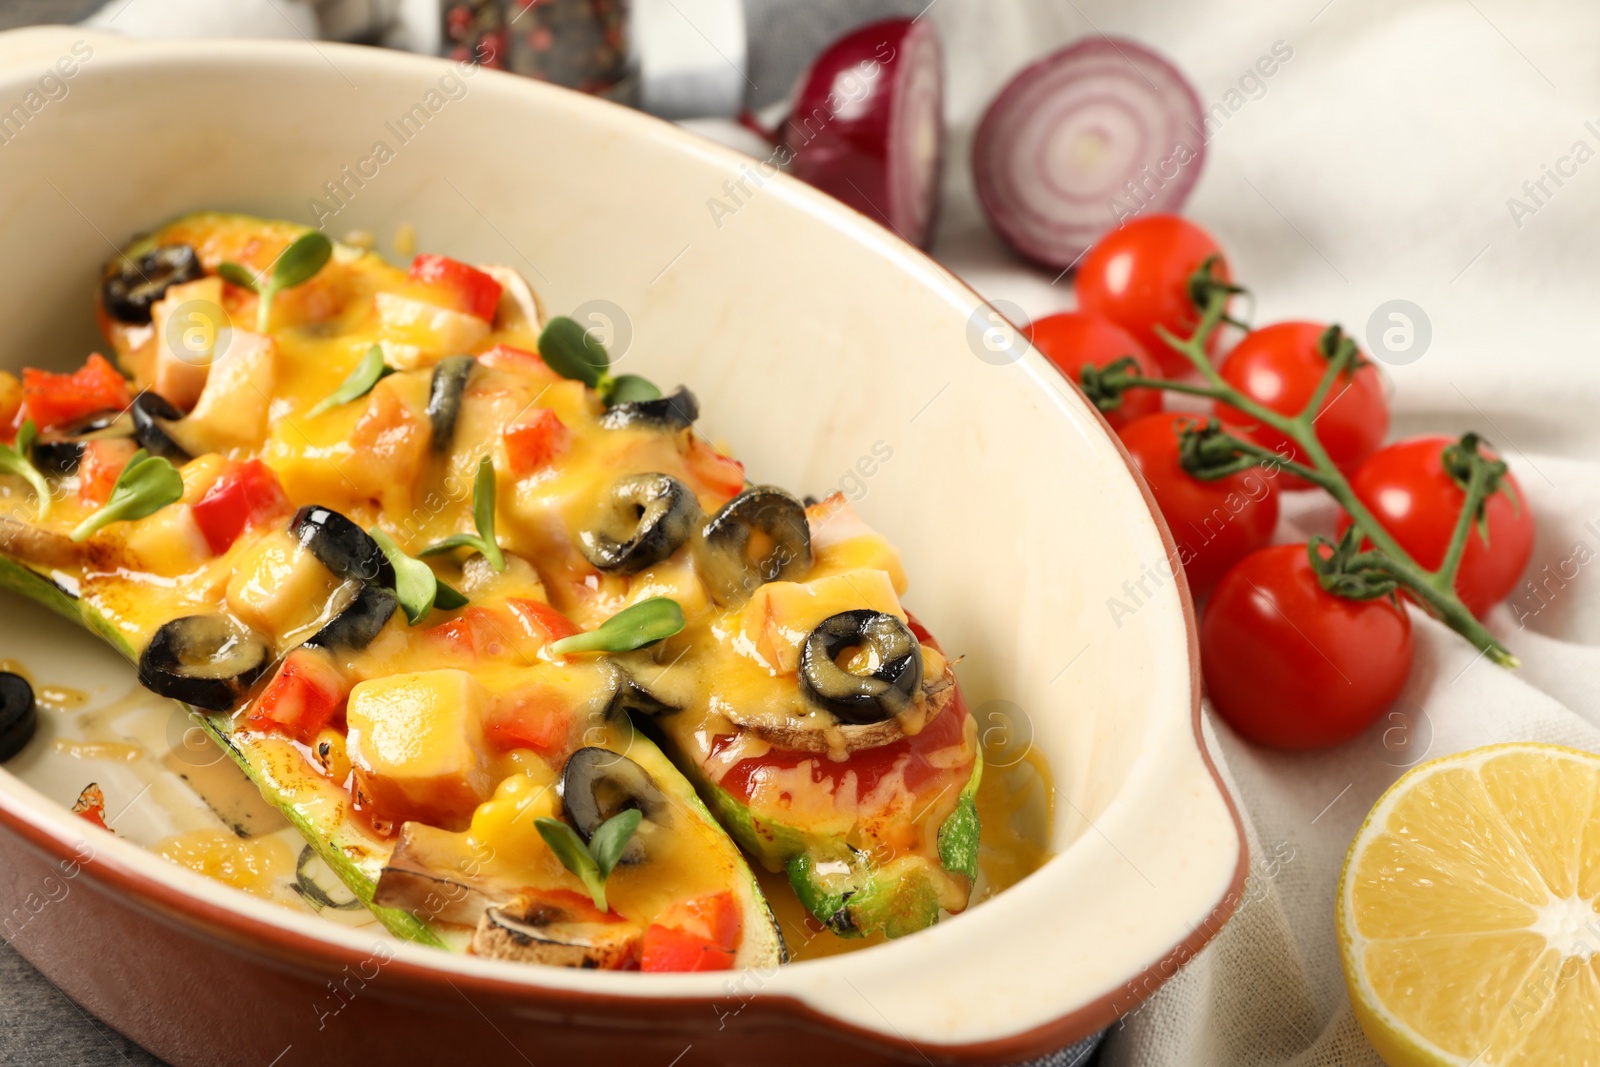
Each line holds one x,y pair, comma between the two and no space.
520,710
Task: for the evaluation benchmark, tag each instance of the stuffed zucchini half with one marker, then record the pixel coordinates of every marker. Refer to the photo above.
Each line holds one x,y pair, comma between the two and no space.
439,582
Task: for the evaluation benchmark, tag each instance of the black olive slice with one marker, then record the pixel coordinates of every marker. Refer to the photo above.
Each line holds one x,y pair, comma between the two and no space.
341,546
880,693
597,784
629,697
132,286
644,518
208,661
151,413
444,397
759,536
675,412
18,716
61,454
359,623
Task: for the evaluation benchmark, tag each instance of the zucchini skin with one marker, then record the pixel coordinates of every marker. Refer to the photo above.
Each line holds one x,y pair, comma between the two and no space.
897,898
324,834
28,583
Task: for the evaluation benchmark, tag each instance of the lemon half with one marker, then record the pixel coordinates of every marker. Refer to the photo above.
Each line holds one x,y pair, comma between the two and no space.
1467,920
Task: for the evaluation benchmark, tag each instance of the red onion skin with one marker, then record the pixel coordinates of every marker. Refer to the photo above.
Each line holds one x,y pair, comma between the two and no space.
842,145
1008,222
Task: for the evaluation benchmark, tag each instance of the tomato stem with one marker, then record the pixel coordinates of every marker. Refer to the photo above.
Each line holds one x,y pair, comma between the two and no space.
1436,589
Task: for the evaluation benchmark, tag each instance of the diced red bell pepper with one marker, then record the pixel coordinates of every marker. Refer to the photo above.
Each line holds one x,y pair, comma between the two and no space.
475,632
535,717
59,399
467,289
666,948
242,497
540,621
302,697
534,440
100,466
505,357
715,472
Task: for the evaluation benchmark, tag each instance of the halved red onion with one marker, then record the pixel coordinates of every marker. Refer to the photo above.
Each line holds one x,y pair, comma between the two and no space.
1082,140
868,124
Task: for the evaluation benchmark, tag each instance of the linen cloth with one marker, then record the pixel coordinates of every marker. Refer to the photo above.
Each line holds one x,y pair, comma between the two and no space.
1403,152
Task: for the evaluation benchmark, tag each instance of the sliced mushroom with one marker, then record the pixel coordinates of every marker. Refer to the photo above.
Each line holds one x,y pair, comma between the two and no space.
667,413
208,661
359,622
152,416
643,520
449,381
597,784
519,305
759,536
18,716
132,286
427,876
341,546
884,674
529,930
40,546
828,737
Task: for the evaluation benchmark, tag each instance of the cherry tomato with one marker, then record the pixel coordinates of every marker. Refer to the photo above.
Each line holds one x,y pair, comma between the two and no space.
1408,490
1279,366
1138,277
1288,664
1073,340
1216,524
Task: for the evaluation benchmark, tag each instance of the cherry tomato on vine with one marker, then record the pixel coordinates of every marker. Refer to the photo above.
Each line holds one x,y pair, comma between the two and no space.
1409,491
1073,340
1288,664
1138,277
1215,524
1279,367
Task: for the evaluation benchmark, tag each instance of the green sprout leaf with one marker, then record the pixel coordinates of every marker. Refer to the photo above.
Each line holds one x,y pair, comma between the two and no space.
569,349
630,387
573,352
14,459
418,589
298,264
239,275
483,496
449,597
594,862
147,484
643,624
369,372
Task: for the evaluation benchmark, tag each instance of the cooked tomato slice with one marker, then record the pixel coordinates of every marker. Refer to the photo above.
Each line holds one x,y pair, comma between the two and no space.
58,399
870,765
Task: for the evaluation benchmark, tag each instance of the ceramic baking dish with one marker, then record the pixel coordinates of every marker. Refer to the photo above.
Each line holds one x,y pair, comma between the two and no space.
811,335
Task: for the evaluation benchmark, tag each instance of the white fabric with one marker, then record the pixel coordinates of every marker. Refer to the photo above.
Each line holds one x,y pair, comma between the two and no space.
1375,164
